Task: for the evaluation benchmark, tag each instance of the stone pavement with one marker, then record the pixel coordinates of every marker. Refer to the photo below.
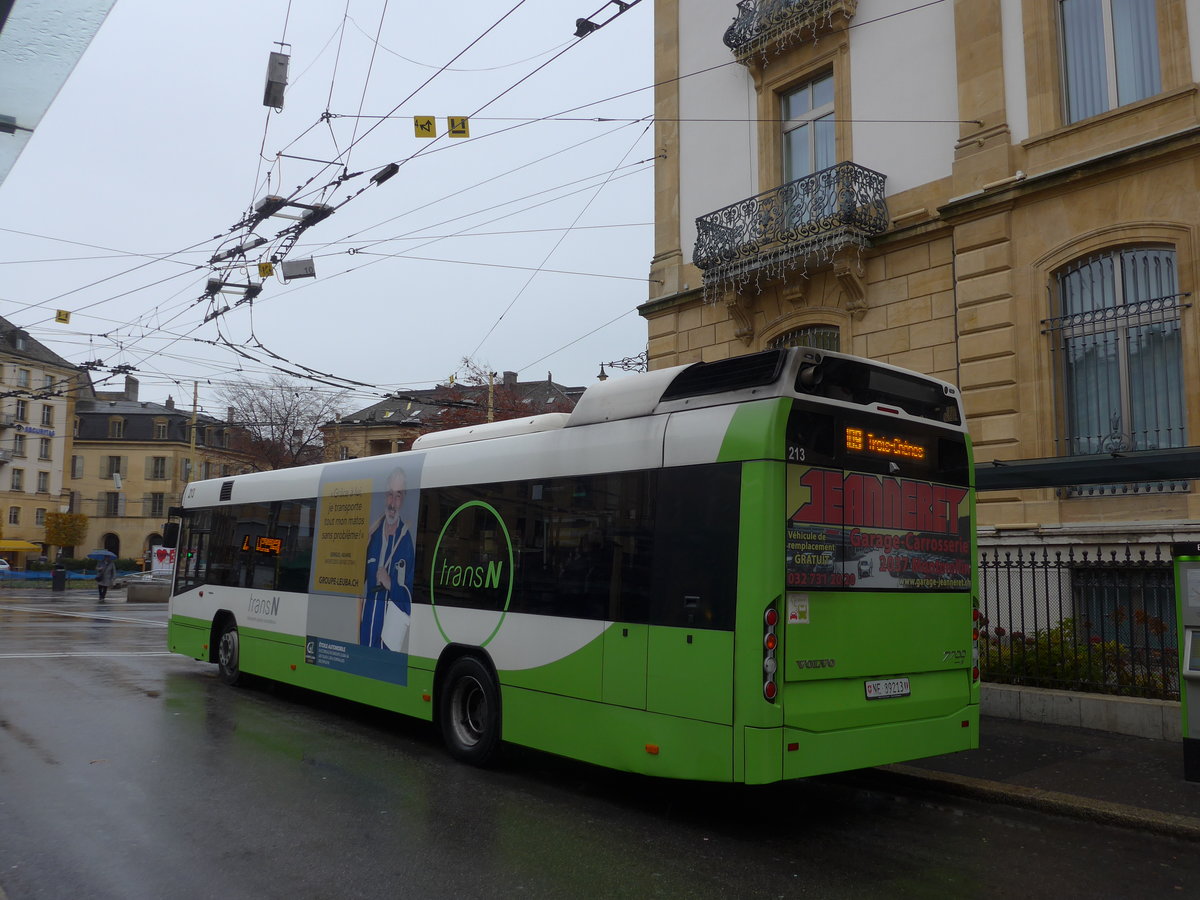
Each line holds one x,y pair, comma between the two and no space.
1117,778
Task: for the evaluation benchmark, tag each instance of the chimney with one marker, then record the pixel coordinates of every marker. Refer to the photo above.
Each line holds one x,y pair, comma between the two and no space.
510,379
229,414
131,388
170,404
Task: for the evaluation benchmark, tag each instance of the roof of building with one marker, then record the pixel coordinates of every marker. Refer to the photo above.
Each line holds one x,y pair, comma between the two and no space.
17,342
424,408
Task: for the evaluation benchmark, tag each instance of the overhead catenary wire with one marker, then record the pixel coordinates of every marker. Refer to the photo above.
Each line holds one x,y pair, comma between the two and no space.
428,236
557,244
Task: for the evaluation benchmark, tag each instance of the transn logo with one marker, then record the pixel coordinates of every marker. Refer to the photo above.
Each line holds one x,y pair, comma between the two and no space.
872,501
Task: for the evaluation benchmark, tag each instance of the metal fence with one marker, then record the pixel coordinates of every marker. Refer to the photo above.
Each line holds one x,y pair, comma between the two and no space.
1101,621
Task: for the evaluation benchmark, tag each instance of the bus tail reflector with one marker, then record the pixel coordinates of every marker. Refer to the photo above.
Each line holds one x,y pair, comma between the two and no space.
793,746
652,749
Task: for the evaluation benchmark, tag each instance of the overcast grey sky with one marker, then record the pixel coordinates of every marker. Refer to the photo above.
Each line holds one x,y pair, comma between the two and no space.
527,246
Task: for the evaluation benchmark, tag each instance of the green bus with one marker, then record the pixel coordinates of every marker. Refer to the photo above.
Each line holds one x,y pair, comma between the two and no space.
748,570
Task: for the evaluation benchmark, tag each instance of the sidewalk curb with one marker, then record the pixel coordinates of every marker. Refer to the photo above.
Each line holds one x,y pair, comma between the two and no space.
1168,824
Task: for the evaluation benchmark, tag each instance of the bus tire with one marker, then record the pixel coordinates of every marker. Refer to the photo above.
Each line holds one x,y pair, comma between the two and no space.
469,711
229,654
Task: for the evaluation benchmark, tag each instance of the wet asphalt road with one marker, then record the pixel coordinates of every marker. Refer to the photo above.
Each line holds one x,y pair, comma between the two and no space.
126,772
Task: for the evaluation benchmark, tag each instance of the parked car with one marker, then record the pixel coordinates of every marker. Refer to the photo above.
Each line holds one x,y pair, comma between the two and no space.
4,566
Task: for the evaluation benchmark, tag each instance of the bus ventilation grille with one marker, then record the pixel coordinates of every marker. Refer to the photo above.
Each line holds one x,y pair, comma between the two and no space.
733,374
227,490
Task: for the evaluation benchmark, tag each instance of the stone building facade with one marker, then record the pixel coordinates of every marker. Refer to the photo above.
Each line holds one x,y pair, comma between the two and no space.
38,391
131,460
999,193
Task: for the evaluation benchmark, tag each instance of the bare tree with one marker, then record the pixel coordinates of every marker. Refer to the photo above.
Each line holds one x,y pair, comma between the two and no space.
278,421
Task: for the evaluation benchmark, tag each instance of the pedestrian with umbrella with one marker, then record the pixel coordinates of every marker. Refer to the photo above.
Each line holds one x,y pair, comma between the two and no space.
106,570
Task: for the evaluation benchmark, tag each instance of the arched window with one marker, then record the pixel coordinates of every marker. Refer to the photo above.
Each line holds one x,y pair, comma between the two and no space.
822,337
1117,339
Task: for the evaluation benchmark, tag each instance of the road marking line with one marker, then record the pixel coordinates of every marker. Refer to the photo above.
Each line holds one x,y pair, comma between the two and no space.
79,615
63,654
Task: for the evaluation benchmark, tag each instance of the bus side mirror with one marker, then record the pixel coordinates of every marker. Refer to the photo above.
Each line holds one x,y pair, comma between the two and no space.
170,535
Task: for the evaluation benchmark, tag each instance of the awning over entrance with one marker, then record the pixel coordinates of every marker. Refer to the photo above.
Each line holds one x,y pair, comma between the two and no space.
1100,468
18,546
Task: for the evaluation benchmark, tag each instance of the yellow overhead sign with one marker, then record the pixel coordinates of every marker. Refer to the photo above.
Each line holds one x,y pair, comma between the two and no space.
425,126
62,316
458,126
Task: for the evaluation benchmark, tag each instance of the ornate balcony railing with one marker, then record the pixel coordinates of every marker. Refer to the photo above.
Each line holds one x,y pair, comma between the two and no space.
761,24
806,219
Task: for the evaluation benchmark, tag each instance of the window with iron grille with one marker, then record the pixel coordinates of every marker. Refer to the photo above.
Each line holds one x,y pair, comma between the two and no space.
1118,347
823,337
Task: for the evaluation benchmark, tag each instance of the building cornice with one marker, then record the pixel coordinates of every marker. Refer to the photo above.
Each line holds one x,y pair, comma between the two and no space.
1181,143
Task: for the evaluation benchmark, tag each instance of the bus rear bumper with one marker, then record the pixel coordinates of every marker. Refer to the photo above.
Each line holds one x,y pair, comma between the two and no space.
774,754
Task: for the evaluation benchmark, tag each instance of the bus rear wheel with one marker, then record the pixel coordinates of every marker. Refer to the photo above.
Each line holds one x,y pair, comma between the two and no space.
469,711
229,654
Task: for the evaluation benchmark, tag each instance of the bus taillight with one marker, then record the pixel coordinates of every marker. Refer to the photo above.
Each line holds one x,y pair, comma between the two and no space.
770,642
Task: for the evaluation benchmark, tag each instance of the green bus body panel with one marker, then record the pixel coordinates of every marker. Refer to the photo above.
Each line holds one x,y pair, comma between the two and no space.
577,675
624,677
689,673
188,636
763,755
617,737
758,431
877,635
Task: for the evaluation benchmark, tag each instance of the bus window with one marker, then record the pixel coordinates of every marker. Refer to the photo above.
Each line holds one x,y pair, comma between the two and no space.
696,546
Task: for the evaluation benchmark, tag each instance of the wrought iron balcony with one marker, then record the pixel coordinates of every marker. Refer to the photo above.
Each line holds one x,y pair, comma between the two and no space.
811,217
761,24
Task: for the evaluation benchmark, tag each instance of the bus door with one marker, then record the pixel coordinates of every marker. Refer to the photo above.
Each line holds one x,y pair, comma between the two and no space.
877,611
690,648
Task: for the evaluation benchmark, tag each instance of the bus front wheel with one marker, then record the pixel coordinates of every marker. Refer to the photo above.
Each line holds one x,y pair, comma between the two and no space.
469,711
229,654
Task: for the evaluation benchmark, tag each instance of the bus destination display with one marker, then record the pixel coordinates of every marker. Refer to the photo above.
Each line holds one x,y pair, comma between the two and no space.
263,544
859,440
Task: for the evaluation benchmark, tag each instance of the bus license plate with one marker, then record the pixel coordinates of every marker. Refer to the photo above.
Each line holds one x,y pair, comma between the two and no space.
885,688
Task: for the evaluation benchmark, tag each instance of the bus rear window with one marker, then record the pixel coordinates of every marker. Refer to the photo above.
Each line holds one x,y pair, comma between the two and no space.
859,382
